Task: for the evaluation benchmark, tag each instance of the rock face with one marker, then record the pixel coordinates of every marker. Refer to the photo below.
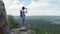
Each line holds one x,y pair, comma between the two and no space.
17,31
2,17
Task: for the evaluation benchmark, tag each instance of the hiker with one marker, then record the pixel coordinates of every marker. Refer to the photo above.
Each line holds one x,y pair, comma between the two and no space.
22,14
4,27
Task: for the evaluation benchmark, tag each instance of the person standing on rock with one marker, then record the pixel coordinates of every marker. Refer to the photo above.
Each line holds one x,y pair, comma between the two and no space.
22,14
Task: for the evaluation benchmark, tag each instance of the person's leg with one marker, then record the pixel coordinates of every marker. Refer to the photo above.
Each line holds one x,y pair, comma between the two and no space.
23,21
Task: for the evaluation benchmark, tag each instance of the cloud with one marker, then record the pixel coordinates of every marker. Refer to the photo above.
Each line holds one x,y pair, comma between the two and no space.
44,8
43,12
12,7
35,7
45,5
33,4
27,2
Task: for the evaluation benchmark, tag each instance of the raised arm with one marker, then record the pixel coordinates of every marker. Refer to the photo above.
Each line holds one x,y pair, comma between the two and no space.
26,10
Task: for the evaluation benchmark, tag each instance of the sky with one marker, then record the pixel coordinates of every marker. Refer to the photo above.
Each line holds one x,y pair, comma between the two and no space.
35,7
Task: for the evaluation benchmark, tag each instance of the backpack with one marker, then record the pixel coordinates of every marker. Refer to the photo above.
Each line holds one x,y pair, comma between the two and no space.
20,13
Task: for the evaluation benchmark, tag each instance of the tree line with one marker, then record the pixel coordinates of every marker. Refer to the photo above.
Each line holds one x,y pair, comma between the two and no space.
39,29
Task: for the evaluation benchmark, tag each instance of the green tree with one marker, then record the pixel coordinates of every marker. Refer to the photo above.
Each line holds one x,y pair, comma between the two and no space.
12,22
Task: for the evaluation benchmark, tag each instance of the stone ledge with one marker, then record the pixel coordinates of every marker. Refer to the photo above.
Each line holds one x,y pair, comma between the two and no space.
17,31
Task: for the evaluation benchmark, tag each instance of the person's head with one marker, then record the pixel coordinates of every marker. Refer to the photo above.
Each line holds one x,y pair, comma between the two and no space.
23,8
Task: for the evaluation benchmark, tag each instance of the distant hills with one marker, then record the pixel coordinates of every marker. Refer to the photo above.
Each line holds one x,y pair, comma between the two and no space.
41,19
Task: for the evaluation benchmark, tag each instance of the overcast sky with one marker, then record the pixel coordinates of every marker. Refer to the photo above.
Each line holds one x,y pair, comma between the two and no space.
35,7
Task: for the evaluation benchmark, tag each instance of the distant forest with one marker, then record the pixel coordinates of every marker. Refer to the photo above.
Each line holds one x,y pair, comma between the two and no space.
40,24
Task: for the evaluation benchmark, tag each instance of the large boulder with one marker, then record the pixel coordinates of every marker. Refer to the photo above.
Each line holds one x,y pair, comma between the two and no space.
2,14
2,17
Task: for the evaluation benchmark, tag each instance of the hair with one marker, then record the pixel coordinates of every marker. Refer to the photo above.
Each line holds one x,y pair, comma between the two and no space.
23,8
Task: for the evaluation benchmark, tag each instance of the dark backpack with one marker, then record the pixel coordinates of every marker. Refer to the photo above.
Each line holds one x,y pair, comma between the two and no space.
21,13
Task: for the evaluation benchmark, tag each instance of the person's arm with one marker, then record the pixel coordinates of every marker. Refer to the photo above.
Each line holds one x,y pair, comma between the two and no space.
26,10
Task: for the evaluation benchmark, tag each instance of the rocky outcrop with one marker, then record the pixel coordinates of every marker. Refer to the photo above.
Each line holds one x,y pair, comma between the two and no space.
2,17
17,31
